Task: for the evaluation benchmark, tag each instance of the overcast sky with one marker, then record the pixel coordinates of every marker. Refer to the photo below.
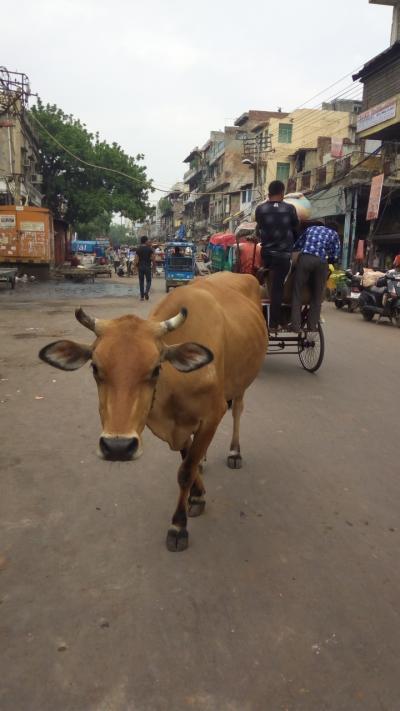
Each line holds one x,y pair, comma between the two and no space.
156,76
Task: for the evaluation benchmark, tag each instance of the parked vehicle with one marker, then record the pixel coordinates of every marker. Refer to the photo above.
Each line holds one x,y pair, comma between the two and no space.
382,299
8,275
179,263
348,290
27,241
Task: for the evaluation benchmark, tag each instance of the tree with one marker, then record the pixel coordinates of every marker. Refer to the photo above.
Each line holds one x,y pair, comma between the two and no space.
120,235
85,196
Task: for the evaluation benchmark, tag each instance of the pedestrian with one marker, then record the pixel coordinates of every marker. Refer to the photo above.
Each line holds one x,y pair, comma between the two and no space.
319,246
278,226
144,260
130,261
116,260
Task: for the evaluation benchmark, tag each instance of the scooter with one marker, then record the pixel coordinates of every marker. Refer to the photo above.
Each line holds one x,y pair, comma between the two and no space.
348,290
382,299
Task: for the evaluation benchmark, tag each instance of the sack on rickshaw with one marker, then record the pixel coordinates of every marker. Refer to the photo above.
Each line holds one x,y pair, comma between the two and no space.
370,277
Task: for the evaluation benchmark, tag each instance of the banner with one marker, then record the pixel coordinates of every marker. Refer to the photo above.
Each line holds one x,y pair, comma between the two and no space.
360,250
336,147
375,197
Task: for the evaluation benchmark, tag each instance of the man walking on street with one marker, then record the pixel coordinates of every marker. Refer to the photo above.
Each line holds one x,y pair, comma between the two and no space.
278,226
319,245
144,260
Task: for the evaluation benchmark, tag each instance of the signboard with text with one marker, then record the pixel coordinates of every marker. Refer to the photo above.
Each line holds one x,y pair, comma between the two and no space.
377,114
7,222
375,197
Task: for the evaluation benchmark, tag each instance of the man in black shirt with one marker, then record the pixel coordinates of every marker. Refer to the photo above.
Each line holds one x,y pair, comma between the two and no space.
278,226
144,261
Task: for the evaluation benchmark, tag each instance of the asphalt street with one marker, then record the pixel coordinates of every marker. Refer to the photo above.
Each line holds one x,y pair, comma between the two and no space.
288,596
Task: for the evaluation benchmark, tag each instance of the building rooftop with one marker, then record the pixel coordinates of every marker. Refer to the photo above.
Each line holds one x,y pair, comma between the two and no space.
381,60
255,115
193,153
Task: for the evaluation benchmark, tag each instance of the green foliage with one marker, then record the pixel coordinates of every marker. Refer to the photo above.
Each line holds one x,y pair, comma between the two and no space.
87,197
98,227
118,234
165,206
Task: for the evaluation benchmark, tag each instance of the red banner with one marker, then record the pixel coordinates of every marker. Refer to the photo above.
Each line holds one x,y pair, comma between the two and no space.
375,197
336,147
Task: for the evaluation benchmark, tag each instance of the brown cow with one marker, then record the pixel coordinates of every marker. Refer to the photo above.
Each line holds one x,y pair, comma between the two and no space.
151,372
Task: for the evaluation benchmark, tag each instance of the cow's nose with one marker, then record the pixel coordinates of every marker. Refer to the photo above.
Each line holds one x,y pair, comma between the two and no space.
119,449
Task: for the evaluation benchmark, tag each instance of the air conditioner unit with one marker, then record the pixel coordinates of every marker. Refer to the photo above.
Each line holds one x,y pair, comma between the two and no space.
36,178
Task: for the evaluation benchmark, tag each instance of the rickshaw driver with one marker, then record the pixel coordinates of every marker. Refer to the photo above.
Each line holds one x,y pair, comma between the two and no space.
278,225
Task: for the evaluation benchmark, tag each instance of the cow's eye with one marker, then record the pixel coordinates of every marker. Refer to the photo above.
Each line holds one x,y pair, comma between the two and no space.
156,371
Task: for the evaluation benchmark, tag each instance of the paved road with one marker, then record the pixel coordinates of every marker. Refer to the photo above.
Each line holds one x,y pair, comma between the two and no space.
288,597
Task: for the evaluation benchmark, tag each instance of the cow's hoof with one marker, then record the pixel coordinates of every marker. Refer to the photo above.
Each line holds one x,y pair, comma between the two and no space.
234,461
196,506
177,540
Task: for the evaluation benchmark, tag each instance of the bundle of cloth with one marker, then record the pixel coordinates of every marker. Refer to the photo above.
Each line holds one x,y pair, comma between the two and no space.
370,277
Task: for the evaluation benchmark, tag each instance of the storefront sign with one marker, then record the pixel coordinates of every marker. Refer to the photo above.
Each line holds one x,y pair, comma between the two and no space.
375,197
377,114
32,226
7,222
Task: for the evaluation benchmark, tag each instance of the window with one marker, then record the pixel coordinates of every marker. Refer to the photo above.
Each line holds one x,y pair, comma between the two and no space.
282,172
285,133
245,196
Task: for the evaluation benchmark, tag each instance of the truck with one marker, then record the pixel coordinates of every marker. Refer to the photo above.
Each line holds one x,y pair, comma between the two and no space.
27,239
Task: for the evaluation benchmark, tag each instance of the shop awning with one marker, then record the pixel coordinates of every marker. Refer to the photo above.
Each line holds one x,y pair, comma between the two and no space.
328,202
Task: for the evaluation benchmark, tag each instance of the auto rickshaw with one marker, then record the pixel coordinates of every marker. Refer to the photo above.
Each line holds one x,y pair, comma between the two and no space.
179,263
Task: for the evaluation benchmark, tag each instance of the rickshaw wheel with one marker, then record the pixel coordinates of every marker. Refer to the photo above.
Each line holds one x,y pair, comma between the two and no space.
311,349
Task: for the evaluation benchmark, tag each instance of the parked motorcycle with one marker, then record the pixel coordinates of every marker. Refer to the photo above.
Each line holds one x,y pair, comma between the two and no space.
382,299
348,290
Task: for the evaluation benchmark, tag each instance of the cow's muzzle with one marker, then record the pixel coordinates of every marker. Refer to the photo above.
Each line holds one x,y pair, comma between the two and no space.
119,449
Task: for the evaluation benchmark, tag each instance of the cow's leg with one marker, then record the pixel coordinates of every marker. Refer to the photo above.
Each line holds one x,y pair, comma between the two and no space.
234,460
188,477
196,499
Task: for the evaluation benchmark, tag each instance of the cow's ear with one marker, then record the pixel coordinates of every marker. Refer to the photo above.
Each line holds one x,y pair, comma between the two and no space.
188,356
66,355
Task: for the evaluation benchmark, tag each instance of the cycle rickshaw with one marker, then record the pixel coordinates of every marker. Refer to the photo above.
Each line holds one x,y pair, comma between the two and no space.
308,345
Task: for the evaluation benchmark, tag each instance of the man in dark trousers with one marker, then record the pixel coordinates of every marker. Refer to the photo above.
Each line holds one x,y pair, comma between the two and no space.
278,226
319,245
144,261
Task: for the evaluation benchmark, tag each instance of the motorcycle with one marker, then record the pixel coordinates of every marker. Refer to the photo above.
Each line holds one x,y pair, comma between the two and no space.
348,290
382,299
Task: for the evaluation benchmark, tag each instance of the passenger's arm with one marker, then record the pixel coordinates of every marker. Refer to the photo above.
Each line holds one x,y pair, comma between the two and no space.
295,223
300,242
336,249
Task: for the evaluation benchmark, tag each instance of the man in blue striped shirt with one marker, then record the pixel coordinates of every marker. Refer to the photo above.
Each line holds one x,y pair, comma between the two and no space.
319,245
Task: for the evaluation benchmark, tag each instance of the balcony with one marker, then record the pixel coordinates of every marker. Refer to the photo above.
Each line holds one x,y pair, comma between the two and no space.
213,155
217,182
191,173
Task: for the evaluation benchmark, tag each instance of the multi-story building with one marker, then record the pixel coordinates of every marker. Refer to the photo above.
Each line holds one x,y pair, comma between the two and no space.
219,184
171,211
303,140
19,151
379,121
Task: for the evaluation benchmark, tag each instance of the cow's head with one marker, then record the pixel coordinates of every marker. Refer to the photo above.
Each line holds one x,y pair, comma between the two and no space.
126,360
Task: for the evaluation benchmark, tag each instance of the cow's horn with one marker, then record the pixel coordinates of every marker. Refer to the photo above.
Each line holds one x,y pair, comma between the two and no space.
93,324
172,323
